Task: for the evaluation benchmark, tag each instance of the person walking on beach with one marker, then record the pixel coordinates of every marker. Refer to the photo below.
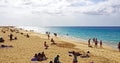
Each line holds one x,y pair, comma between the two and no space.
101,43
119,46
89,42
56,59
96,42
96,39
48,36
75,57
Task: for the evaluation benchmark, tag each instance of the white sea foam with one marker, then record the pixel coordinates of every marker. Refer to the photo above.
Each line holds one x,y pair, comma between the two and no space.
34,28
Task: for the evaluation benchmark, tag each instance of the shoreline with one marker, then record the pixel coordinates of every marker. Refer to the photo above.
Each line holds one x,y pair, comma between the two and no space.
111,44
72,38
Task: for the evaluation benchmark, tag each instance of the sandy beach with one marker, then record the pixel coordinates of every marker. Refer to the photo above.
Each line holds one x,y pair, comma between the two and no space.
24,48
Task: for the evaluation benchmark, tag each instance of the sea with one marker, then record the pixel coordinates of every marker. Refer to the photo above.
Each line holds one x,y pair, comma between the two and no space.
110,35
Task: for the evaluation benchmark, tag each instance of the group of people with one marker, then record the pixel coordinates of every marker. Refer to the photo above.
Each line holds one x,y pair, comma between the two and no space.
48,34
51,40
56,59
11,36
39,57
42,57
52,43
95,41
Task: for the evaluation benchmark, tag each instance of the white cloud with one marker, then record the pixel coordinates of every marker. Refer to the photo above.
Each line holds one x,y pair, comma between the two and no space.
59,11
61,6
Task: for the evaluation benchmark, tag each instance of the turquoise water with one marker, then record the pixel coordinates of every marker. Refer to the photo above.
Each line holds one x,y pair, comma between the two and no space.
109,35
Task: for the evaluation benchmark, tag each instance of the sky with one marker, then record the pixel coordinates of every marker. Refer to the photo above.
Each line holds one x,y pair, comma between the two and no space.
60,12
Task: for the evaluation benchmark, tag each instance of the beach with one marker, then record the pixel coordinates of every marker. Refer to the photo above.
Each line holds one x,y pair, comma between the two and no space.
24,49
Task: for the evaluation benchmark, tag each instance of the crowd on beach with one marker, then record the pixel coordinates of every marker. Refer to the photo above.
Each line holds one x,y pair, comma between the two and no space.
74,54
11,35
37,57
95,41
41,56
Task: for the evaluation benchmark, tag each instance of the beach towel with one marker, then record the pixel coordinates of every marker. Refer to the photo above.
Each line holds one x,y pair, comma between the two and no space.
34,59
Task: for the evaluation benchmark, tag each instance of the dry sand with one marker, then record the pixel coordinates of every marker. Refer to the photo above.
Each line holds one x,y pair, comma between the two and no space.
24,49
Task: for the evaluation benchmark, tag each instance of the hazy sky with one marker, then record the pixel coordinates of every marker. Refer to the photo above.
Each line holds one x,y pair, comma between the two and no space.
60,12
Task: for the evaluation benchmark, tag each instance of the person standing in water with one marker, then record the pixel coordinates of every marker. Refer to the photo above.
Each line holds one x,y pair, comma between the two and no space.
74,57
89,42
96,42
119,46
48,36
101,43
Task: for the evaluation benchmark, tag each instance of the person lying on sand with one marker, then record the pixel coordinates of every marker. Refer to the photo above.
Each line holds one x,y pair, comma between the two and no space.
4,46
74,53
85,55
78,54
